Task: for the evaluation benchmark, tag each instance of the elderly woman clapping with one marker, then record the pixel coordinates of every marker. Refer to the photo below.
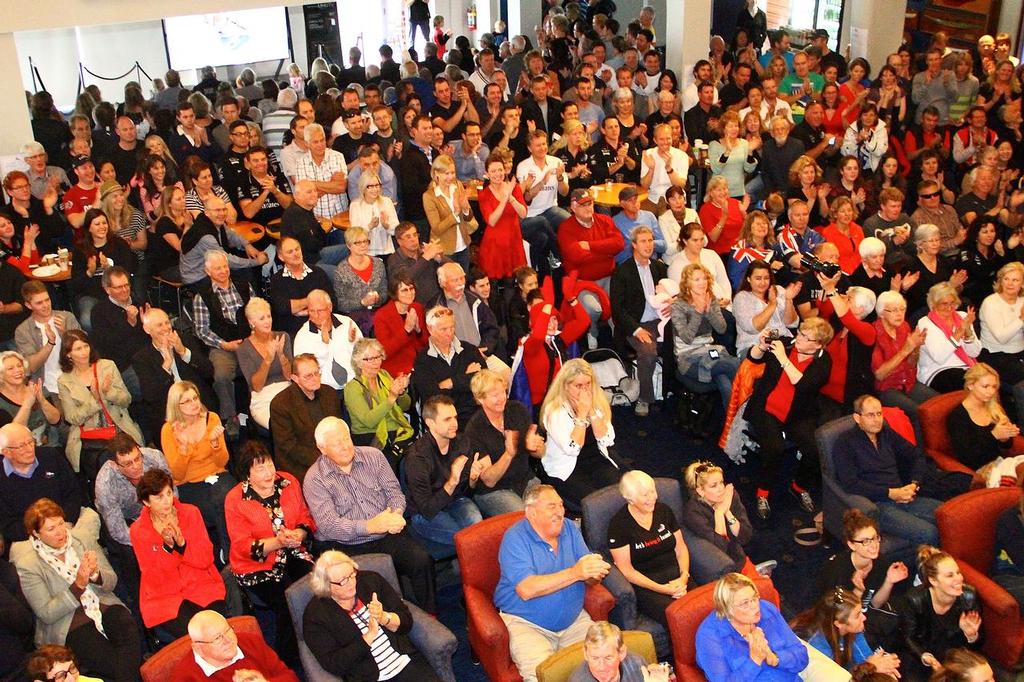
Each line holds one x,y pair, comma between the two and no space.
376,402
26,400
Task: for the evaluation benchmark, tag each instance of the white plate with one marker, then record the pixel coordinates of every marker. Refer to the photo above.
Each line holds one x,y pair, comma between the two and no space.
46,271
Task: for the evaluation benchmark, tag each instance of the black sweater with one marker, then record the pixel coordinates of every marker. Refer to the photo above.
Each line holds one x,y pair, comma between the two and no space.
17,623
973,445
805,396
430,370
53,478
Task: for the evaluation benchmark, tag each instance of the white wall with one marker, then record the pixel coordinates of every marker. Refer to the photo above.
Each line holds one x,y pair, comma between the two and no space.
1009,20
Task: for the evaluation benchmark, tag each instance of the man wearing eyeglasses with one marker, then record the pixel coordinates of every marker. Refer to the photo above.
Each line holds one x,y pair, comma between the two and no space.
117,325
220,653
295,412
29,473
931,209
884,467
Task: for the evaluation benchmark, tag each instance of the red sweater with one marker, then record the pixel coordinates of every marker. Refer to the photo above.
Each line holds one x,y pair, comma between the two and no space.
169,578
400,346
256,655
605,243
849,254
839,350
710,215
780,400
248,520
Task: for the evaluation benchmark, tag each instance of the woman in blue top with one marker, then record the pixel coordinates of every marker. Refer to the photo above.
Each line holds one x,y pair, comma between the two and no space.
746,639
835,627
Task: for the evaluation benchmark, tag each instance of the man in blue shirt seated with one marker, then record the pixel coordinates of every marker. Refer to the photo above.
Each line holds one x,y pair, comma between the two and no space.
630,217
544,565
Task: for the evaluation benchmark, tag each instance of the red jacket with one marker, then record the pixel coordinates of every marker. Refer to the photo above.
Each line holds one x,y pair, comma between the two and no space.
256,655
400,347
248,520
169,578
605,242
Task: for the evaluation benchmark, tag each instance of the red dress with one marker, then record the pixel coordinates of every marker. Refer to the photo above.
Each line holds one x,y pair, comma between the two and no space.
501,249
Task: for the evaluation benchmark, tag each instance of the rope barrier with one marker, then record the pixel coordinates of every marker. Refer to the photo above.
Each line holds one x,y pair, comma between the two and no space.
135,67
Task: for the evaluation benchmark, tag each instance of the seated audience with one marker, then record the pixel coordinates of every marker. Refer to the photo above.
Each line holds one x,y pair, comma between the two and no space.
543,178
376,213
982,255
400,325
761,304
442,472
329,337
202,189
26,401
357,625
835,627
376,402
219,313
932,268
210,234
746,637
589,242
360,282
1002,330
118,323
299,221
98,249
164,358
295,412
19,249
696,317
578,458
979,430
94,401
756,242
53,661
328,171
271,531
715,513
636,320
964,665
192,439
672,220
265,360
857,568
39,338
175,558
475,322
290,287
1008,566
551,337
446,365
940,614
605,657
630,217
358,507
544,567
950,346
647,546
263,193
884,467
223,655
501,432
164,249
844,233
692,249
69,584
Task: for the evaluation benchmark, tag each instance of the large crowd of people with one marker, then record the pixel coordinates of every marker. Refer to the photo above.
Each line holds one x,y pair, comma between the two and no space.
383,279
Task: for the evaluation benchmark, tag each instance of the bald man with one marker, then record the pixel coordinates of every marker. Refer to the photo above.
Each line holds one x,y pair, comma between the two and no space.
221,654
299,222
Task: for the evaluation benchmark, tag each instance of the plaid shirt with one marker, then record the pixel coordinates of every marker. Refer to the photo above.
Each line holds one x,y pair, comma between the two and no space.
328,205
230,304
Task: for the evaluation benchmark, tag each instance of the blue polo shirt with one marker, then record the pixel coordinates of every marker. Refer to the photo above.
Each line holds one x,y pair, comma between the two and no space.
625,224
523,554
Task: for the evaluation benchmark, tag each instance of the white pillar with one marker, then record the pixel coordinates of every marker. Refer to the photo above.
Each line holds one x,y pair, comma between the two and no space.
17,127
523,15
686,39
874,29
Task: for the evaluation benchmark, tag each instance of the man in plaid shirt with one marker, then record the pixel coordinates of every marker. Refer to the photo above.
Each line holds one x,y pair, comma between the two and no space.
327,169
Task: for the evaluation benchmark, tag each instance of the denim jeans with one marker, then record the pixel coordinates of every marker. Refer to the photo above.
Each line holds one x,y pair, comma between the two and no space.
541,231
441,529
332,255
498,502
913,521
85,304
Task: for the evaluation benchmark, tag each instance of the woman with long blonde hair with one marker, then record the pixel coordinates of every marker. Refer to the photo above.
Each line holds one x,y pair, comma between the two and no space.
979,429
578,419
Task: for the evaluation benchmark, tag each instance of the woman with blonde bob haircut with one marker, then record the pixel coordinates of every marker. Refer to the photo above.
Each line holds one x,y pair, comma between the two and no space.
355,619
647,546
715,513
747,636
576,414
446,204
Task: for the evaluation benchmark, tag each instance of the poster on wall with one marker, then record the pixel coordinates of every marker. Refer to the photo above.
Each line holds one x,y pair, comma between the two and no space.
244,37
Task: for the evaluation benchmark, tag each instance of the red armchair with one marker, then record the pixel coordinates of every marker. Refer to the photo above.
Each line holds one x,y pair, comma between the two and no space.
477,548
967,528
685,616
159,666
932,413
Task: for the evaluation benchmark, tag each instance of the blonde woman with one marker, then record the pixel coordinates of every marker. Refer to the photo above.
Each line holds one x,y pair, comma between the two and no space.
733,156
360,281
1002,330
578,419
715,513
375,212
979,429
449,213
722,216
164,251
265,360
26,400
128,223
746,635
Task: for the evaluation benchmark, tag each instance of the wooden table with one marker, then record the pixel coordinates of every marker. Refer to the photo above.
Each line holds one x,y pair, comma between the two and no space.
341,221
274,229
249,231
607,194
62,276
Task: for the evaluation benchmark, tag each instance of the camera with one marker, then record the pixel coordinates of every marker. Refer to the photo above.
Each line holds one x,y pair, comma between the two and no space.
773,335
814,264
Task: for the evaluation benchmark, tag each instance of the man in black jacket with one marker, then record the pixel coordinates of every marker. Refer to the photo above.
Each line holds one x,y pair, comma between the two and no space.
160,360
544,111
446,365
295,412
299,222
636,320
414,174
117,327
475,322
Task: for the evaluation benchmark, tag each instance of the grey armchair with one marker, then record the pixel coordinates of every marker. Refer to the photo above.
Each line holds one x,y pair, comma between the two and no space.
707,562
834,500
435,641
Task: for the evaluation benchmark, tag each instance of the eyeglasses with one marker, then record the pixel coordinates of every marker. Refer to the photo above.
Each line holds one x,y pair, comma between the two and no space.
873,540
361,242
17,188
344,581
62,675
219,639
25,445
373,358
374,185
747,604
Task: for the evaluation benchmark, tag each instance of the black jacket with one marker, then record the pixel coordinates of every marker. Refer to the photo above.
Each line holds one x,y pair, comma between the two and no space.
923,632
551,124
805,396
413,178
17,622
332,635
52,478
628,298
155,381
427,471
302,225
430,370
292,426
113,337
228,330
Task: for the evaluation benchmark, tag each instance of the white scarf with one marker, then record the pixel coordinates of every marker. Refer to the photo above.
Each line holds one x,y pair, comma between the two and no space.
68,569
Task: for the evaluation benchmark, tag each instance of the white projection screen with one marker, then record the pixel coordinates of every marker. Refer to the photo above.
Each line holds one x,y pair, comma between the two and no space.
243,37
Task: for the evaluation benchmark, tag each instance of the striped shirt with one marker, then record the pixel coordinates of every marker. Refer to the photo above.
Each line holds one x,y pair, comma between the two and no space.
328,205
194,203
341,503
389,661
